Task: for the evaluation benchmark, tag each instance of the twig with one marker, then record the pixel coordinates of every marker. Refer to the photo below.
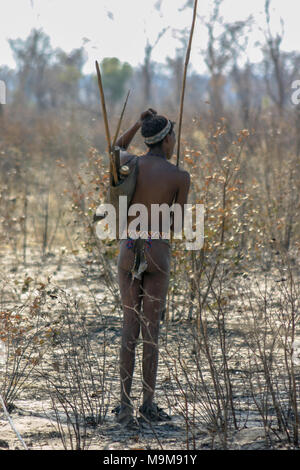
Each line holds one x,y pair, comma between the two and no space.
187,58
45,234
12,424
25,225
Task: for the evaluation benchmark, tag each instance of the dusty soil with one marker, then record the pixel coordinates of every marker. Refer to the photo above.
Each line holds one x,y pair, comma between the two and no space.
75,283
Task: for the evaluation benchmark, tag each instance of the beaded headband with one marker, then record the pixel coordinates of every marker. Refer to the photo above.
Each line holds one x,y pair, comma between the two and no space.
160,135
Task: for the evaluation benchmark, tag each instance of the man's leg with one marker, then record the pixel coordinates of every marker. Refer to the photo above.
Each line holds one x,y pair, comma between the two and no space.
155,288
131,302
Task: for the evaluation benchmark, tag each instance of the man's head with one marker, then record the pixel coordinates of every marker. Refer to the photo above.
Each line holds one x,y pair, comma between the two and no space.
159,134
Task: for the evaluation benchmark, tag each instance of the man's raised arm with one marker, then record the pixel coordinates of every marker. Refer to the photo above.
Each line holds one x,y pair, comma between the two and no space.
125,139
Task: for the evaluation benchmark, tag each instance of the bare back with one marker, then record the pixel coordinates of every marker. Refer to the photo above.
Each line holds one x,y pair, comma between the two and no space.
158,182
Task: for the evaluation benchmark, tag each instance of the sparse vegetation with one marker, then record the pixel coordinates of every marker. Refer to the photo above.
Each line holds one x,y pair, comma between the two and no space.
226,372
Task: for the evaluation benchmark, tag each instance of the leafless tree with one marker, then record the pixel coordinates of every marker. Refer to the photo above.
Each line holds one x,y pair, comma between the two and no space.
147,67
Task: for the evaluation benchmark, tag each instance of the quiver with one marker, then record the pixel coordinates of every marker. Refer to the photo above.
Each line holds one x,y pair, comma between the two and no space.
125,187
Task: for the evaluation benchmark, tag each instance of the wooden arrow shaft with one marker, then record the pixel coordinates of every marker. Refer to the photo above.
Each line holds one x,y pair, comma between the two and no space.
120,120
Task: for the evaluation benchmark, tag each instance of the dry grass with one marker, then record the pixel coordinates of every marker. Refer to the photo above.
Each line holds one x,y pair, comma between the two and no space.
226,370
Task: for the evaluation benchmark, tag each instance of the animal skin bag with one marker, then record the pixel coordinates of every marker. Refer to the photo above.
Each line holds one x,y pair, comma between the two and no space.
125,187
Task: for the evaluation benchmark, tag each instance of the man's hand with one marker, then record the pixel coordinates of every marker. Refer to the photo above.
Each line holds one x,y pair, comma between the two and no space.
150,112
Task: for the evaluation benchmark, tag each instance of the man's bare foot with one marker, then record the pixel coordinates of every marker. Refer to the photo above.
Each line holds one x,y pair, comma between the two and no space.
152,413
124,416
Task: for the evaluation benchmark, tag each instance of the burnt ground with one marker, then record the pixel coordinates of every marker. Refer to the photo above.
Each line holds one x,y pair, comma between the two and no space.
78,335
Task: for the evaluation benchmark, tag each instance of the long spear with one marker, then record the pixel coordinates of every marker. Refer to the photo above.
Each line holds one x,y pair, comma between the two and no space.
187,58
112,162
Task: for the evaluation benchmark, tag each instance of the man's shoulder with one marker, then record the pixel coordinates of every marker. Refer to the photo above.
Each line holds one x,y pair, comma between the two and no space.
182,175
126,157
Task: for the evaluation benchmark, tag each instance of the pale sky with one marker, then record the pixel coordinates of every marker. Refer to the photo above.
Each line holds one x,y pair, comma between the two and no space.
120,28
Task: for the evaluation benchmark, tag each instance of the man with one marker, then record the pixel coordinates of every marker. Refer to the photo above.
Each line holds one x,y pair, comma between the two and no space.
144,265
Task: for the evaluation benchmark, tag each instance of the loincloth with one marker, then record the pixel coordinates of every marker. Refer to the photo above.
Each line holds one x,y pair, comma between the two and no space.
139,245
